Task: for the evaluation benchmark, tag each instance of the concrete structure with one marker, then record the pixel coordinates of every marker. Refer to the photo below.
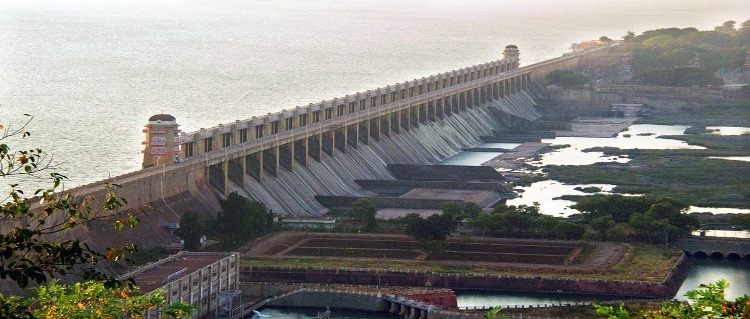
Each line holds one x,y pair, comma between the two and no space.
263,146
407,303
715,247
162,145
418,278
198,279
285,159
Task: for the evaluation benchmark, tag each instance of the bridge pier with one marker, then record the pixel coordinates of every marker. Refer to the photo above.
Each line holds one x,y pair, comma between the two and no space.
237,171
286,156
217,176
385,125
271,160
340,138
300,151
414,116
328,140
352,135
395,119
314,146
255,166
394,307
375,128
364,131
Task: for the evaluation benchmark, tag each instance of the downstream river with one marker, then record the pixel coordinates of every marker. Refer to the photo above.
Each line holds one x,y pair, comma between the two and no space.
737,273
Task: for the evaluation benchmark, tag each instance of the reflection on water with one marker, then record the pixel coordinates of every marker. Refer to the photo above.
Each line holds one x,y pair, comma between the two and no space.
479,298
737,273
469,158
729,130
306,313
734,158
722,233
718,210
545,192
640,136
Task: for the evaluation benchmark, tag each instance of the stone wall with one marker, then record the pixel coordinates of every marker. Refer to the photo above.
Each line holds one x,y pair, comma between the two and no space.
665,289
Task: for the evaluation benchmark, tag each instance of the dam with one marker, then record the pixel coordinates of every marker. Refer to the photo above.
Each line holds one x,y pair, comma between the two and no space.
286,159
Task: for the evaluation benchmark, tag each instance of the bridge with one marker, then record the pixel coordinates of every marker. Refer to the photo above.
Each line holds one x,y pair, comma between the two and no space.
715,247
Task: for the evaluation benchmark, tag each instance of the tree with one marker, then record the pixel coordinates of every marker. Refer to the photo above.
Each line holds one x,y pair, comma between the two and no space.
364,209
31,252
240,219
629,36
605,39
727,27
708,301
742,220
567,78
603,225
27,254
191,230
472,210
91,299
434,227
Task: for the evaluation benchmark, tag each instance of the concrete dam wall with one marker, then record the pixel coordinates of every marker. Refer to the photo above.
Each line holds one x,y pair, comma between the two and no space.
292,193
286,158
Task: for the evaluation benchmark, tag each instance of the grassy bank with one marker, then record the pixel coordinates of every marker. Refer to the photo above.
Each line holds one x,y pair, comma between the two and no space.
642,262
690,176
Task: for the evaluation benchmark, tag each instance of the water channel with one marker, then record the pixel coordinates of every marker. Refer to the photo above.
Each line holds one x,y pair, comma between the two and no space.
737,273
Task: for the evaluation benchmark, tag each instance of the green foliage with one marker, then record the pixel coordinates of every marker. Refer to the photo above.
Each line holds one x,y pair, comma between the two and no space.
240,219
91,299
629,36
364,209
616,207
27,254
647,218
687,57
708,301
679,76
687,175
525,222
493,313
434,227
191,230
567,78
743,220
